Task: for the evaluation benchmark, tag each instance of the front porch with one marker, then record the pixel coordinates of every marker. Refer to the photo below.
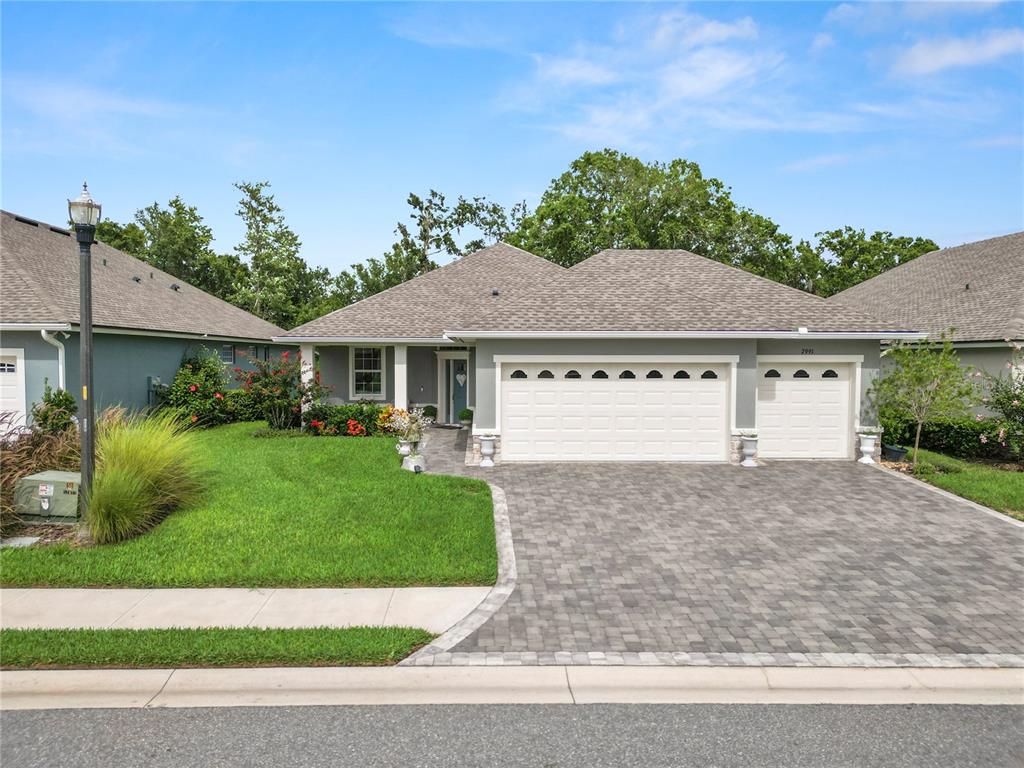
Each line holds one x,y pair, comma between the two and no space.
405,375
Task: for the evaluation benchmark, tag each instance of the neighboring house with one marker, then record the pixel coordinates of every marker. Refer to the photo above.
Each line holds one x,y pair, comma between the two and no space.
145,321
976,289
629,355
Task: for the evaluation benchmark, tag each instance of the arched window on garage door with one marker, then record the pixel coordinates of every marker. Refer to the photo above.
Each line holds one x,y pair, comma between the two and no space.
545,374
654,375
573,375
801,374
830,374
772,374
709,375
627,375
599,375
518,374
681,375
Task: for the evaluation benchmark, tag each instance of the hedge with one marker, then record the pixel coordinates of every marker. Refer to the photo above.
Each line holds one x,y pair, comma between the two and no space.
334,419
955,437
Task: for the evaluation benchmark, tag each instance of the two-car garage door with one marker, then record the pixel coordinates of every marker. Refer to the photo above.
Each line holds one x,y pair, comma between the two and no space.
614,412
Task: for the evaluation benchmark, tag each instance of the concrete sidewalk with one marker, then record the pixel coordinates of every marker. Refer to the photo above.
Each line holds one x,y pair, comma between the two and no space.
434,609
503,685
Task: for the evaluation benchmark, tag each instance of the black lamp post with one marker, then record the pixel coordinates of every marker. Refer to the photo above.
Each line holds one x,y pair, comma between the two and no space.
85,215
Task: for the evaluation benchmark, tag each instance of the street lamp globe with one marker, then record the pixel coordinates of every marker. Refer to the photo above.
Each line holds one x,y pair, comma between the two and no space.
84,211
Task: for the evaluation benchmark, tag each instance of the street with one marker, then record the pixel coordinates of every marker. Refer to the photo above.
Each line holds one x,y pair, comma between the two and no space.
541,736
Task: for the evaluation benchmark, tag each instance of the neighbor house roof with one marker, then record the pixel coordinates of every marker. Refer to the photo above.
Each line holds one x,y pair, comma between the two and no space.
453,294
39,284
977,288
664,292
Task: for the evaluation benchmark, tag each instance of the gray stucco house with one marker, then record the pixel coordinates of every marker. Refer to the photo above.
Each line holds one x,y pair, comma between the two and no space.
975,289
145,321
629,355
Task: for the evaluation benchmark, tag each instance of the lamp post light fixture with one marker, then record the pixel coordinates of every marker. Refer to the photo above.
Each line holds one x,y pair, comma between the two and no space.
85,215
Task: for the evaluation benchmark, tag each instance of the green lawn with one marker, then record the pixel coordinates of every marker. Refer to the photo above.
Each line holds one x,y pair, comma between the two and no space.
138,648
999,489
308,511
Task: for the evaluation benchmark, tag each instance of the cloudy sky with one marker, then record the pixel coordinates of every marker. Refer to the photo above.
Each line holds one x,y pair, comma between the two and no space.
902,117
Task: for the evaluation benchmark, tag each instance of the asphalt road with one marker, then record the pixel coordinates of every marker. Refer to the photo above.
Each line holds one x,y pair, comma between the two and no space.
539,736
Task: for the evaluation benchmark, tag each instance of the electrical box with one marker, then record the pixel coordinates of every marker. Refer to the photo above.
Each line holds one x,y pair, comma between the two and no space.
50,497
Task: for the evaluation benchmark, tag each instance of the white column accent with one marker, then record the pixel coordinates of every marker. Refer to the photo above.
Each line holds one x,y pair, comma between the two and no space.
307,365
401,377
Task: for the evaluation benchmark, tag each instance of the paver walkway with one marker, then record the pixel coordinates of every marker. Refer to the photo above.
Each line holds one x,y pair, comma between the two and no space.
792,557
434,609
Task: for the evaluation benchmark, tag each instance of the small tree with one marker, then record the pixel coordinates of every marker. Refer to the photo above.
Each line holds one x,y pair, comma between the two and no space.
1004,394
277,385
925,382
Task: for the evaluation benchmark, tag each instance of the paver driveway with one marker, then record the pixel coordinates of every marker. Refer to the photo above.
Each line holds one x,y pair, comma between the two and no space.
795,557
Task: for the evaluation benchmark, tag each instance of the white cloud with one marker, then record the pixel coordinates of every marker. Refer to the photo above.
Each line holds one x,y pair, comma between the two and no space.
821,41
573,71
929,56
874,16
816,162
686,30
711,72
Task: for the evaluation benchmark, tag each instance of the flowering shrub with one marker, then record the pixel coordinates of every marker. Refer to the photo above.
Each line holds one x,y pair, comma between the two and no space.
1004,394
408,424
355,429
275,386
197,392
56,412
334,419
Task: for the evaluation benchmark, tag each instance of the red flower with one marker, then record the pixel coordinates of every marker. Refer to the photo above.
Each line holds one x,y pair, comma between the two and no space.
218,395
284,355
194,418
192,388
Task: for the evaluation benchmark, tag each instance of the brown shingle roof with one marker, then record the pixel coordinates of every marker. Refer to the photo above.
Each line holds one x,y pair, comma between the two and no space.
931,292
637,291
424,306
39,283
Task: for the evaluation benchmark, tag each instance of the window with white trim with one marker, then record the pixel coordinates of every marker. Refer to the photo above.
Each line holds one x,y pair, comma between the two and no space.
367,373
227,353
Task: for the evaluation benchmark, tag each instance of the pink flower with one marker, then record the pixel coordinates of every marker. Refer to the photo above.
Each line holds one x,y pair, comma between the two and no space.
979,417
1015,403
192,388
984,438
219,396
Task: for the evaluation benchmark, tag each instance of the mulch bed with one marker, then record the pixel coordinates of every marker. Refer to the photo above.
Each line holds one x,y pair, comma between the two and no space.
48,533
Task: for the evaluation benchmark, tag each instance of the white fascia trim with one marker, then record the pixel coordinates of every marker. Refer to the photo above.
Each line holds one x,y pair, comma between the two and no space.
35,326
810,358
880,335
733,359
363,340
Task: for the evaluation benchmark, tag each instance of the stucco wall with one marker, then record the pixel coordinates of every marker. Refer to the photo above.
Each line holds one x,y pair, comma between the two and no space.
422,373
334,361
122,364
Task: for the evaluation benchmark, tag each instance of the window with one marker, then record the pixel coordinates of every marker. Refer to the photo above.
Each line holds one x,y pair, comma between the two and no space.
573,375
830,374
599,375
545,374
7,368
654,374
251,351
517,374
709,375
627,375
681,375
801,374
772,374
227,353
367,373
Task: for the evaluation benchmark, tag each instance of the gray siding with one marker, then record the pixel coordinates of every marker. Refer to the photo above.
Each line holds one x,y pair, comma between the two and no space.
422,363
991,360
40,361
421,373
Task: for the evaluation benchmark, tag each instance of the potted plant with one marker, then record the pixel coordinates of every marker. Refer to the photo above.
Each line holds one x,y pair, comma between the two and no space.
868,437
466,417
487,450
748,447
893,452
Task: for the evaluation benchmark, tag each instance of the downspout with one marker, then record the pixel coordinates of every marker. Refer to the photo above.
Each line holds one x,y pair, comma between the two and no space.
60,356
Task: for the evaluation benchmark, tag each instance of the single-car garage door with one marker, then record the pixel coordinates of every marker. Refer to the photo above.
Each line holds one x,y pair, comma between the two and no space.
614,412
803,411
12,383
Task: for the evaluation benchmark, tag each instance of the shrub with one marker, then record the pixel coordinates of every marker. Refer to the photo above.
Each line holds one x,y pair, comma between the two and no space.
968,438
276,386
465,415
146,467
56,412
323,419
430,412
197,392
241,405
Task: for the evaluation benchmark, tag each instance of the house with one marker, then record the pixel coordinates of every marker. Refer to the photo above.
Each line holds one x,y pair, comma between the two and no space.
145,321
629,355
976,289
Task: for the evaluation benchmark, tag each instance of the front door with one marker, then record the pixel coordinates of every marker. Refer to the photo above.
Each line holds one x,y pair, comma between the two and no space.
458,378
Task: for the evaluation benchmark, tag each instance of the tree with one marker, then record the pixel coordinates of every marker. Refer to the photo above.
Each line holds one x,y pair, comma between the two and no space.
125,237
280,283
851,257
925,382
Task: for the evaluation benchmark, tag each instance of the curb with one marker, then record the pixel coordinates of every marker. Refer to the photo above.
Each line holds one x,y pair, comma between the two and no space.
503,588
338,686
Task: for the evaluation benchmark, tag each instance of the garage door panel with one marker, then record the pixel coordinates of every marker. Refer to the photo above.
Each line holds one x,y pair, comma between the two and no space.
804,417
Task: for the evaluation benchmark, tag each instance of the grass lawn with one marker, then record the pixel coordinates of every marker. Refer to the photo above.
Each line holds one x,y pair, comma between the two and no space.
137,648
295,512
999,489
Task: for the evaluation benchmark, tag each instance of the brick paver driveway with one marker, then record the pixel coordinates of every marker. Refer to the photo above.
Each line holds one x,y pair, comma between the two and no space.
795,557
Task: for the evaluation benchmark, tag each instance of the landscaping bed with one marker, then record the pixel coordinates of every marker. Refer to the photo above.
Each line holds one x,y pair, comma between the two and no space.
302,512
167,648
999,486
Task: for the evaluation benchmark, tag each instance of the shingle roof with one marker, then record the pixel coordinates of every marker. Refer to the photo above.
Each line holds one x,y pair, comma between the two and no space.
931,292
39,283
636,291
449,295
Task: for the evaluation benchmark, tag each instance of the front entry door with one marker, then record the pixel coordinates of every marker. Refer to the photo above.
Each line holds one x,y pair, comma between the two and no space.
457,381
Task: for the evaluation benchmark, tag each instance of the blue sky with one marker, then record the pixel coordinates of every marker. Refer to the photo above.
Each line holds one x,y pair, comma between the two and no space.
900,117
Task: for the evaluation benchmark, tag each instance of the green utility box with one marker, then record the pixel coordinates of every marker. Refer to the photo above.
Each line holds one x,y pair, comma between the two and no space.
50,497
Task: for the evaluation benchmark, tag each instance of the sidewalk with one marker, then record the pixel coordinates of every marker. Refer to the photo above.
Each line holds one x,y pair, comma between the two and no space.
434,609
503,685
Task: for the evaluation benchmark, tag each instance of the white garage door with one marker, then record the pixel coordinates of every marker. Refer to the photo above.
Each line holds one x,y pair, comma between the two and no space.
803,411
614,412
12,383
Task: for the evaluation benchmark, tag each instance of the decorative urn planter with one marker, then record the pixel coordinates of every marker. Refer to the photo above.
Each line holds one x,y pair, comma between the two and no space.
867,442
414,463
487,451
748,447
404,447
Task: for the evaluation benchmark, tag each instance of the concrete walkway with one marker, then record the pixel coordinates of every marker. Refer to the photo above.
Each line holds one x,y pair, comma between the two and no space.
502,685
434,609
